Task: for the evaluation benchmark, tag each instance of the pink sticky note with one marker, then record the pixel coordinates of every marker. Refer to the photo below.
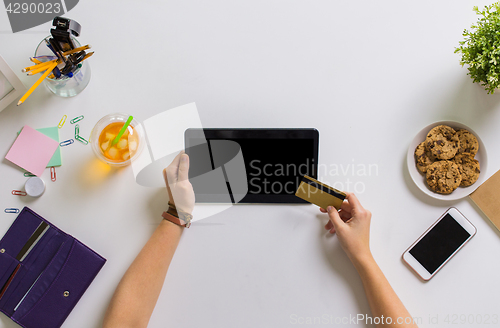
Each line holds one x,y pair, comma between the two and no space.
32,150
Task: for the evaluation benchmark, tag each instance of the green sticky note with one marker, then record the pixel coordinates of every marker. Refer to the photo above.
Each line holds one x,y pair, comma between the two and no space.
53,133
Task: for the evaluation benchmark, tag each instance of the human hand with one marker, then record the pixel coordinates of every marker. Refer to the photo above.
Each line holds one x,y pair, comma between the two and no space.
352,225
180,190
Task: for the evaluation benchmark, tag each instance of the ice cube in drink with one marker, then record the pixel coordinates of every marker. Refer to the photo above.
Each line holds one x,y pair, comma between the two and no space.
124,149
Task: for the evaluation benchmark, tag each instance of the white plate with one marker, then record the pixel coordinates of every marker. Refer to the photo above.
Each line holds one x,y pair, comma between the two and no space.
419,178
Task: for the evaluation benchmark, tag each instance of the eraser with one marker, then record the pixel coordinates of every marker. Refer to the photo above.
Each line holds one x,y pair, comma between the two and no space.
34,187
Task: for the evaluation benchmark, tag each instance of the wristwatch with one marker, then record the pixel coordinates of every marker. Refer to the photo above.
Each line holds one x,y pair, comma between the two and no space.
180,218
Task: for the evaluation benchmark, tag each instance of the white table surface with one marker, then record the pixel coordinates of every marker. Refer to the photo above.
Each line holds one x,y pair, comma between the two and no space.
368,75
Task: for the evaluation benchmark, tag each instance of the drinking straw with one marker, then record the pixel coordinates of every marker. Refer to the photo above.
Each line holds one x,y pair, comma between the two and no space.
122,131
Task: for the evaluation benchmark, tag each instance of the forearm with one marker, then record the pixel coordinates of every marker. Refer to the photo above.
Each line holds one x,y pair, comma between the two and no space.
136,295
381,297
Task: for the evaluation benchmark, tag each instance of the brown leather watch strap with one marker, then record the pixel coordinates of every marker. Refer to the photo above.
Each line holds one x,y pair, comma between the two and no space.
173,219
173,211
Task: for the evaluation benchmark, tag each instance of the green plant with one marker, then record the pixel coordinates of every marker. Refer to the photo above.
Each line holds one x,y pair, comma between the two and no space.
481,48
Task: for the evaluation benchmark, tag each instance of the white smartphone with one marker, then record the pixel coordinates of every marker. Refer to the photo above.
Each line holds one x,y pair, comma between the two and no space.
439,243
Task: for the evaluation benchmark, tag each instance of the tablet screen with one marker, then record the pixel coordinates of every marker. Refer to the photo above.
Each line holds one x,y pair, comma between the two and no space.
275,160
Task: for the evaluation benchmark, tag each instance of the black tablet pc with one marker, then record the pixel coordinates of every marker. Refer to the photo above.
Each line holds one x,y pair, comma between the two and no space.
250,165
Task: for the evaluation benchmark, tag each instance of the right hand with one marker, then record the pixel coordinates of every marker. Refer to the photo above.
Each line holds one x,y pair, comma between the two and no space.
180,190
352,225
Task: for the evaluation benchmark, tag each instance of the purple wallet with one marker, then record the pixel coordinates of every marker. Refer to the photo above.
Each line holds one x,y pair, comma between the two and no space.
43,272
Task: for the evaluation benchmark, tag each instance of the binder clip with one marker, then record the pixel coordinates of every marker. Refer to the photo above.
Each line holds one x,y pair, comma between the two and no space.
61,42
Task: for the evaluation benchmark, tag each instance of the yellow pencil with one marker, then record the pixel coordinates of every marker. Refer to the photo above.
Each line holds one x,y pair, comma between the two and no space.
37,66
39,70
70,52
36,61
37,83
87,56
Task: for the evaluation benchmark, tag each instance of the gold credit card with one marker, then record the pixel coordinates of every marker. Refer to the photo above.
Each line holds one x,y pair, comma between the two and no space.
319,193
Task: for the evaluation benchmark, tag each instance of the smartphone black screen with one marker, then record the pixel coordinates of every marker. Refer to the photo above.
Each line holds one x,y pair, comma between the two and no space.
439,243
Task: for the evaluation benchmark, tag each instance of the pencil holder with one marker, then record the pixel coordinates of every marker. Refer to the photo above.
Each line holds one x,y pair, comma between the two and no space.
65,86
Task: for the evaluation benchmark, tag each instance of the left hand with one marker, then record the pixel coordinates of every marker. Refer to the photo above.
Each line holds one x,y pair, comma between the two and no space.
180,190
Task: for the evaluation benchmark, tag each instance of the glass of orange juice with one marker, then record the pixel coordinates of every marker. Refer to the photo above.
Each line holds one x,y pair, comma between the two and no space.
126,149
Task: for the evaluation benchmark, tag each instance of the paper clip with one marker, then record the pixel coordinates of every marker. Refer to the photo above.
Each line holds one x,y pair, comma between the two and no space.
66,142
62,121
53,173
11,210
82,140
76,119
19,193
77,130
28,174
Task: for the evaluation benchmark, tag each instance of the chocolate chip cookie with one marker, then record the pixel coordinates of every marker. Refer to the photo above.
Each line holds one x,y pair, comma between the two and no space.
469,168
423,157
443,177
468,142
442,141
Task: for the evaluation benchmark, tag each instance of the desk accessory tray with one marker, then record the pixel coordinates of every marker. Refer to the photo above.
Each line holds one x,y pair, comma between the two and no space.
43,272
